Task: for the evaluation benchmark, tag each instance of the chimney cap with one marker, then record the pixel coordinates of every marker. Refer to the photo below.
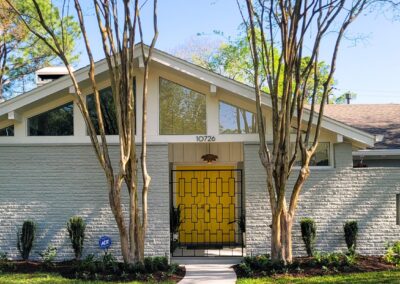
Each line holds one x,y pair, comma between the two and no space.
48,74
53,70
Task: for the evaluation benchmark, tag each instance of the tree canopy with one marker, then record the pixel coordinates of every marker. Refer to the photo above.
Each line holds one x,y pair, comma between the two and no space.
232,58
22,53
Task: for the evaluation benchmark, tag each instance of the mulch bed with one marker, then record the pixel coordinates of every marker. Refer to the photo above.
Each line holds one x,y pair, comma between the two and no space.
305,268
67,270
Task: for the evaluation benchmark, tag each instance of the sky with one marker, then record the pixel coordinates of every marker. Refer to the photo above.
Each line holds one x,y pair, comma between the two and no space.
369,67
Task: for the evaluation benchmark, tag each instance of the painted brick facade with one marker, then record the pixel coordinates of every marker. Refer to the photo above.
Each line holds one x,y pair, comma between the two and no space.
332,197
49,184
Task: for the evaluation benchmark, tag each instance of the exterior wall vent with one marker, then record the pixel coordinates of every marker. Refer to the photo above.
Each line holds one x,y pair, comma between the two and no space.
48,74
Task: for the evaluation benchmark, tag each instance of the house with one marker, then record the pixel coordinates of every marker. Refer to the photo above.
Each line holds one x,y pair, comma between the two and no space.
382,120
48,170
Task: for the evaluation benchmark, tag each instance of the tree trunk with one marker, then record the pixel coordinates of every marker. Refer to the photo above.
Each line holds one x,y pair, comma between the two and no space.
281,237
116,208
276,244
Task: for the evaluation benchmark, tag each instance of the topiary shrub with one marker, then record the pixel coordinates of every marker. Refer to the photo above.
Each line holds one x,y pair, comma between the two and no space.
25,238
76,231
350,234
392,254
308,234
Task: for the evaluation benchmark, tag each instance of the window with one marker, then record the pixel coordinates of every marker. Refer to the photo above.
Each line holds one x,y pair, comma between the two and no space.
7,131
235,120
108,110
182,110
397,209
56,122
320,157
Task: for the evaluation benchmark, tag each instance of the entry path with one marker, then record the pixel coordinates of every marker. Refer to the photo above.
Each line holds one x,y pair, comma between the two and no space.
209,273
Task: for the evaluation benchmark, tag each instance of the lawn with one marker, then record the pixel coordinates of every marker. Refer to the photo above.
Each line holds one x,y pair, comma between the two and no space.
36,278
369,277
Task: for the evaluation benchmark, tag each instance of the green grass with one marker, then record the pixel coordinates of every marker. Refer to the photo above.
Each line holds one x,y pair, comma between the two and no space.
36,278
370,277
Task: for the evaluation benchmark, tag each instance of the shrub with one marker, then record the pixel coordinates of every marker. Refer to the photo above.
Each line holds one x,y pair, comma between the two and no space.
48,255
392,254
25,238
88,264
76,230
334,259
5,263
259,262
161,263
109,263
245,270
350,234
308,234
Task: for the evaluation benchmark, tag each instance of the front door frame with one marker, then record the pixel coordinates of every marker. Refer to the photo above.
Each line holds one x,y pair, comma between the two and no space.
239,196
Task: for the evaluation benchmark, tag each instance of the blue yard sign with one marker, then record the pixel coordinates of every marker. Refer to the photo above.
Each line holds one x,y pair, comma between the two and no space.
104,242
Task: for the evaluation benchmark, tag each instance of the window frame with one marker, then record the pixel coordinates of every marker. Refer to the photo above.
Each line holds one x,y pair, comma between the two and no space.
330,159
48,109
159,108
230,104
135,106
10,125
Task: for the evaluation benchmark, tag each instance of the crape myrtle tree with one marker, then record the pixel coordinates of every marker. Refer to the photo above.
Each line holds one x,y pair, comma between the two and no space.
119,24
297,29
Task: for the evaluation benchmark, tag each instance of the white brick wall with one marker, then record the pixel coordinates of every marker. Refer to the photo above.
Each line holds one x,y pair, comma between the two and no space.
49,184
331,197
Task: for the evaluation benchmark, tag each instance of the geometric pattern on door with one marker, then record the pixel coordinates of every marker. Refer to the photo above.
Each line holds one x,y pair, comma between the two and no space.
209,198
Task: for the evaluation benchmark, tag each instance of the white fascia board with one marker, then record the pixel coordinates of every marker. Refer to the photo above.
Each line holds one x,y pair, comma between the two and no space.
377,152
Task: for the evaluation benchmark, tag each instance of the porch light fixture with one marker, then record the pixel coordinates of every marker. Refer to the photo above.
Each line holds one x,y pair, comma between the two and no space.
209,158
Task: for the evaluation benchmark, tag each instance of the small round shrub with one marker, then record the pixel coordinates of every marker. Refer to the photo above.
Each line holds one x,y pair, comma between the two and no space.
350,234
308,234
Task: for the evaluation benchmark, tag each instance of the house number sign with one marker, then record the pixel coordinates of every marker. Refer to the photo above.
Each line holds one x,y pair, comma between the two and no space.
205,138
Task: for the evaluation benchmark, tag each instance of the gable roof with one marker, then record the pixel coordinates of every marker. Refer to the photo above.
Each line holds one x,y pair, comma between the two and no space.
377,119
189,69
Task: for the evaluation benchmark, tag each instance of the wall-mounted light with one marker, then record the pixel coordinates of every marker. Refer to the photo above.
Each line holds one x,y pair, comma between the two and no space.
209,158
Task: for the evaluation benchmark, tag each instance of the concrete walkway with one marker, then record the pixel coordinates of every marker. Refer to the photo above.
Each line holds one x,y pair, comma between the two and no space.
209,273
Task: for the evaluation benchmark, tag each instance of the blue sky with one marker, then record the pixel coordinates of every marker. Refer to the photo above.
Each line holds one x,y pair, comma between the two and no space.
370,68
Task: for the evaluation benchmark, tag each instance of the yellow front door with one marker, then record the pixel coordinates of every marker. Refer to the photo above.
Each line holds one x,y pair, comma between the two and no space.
207,199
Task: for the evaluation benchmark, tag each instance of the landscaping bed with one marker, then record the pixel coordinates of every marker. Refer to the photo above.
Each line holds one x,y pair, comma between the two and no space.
324,264
98,270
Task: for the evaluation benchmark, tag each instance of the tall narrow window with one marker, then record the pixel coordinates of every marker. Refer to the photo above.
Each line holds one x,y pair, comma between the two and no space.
182,110
56,122
108,110
235,120
398,209
7,131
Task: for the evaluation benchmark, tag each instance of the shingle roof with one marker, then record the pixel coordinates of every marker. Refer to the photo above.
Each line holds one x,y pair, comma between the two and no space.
377,119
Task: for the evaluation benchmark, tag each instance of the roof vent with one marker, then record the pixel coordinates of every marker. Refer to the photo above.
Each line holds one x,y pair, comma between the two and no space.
48,74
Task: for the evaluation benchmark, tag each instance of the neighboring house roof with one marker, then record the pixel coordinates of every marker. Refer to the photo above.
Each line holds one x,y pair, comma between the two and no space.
377,119
190,69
